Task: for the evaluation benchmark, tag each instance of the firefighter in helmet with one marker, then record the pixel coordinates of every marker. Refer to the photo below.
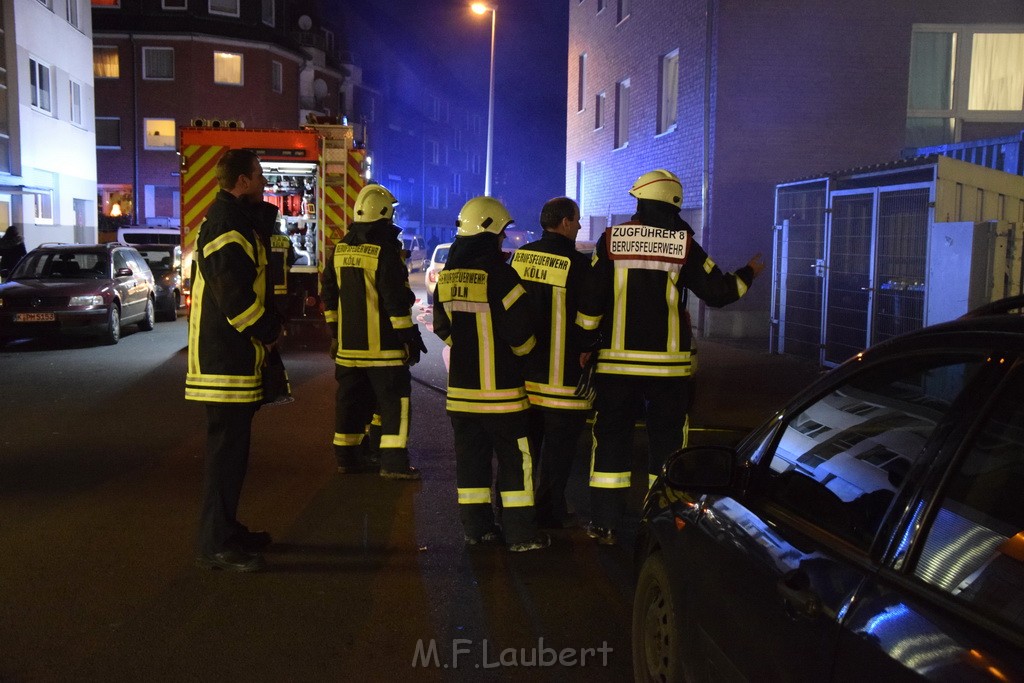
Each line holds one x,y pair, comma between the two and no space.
482,314
368,306
634,310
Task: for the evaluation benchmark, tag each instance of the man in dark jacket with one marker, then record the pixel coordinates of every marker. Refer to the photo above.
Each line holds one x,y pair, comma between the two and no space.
368,306
481,313
554,273
12,248
231,331
635,309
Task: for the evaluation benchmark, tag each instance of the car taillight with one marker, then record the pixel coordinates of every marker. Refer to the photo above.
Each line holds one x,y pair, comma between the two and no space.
432,276
310,301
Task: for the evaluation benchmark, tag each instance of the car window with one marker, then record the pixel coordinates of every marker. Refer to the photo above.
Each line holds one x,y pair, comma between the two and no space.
840,461
119,260
974,548
441,255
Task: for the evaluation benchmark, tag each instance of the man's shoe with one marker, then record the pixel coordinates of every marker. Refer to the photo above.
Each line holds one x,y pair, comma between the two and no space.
410,473
601,535
232,560
359,468
250,541
490,538
541,541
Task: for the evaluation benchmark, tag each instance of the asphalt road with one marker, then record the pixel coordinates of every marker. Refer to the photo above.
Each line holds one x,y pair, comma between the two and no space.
100,465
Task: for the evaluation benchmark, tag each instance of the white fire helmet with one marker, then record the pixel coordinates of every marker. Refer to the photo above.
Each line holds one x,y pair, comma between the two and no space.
374,202
661,185
480,215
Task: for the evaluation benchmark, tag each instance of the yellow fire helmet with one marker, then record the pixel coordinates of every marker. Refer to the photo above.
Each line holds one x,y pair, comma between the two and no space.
375,202
662,185
480,215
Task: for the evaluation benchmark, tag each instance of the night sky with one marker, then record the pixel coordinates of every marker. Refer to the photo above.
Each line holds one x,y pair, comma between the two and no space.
445,39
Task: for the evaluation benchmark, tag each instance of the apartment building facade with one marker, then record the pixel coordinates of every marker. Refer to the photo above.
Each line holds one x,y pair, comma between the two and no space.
735,97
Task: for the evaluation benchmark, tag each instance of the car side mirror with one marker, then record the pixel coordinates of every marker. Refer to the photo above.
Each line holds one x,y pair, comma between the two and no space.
123,272
702,469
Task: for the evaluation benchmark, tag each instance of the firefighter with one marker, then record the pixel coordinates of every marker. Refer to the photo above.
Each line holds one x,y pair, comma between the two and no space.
635,305
482,314
553,273
231,331
368,307
280,255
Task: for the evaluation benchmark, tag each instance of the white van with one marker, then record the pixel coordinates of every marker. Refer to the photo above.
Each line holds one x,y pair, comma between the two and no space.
142,234
417,258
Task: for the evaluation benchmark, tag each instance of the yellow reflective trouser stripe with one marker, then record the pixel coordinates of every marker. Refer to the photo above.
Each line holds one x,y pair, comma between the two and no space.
474,496
609,480
348,439
475,407
401,439
524,498
212,396
483,395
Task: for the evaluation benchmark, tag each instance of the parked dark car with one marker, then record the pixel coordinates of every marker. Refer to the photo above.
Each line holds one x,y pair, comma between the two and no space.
873,530
165,262
77,288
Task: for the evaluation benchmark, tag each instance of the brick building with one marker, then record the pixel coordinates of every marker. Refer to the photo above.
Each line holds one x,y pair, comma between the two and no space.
736,97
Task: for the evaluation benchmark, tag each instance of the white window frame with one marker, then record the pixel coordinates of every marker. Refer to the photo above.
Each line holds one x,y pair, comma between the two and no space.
622,114
71,13
276,76
75,101
43,210
273,13
172,147
172,7
145,63
36,70
241,68
109,118
224,13
668,93
959,110
117,53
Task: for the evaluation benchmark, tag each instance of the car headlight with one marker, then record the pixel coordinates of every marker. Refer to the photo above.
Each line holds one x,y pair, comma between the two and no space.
91,300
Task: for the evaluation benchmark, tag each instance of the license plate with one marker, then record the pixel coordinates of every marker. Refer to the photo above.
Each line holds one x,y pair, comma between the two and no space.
34,317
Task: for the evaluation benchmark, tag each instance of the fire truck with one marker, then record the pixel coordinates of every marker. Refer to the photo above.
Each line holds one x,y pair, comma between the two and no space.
313,176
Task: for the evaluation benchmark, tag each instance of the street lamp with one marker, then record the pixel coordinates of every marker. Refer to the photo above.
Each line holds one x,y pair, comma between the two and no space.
481,8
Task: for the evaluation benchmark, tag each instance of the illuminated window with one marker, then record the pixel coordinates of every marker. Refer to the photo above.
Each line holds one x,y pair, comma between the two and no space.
113,4
106,62
621,114
276,76
161,134
76,102
961,78
158,63
227,68
225,7
108,132
668,92
39,84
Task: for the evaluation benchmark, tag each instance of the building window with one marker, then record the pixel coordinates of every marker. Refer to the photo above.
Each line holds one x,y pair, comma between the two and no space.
456,183
329,41
108,132
158,63
44,208
579,184
435,196
76,102
174,4
434,152
276,76
227,68
226,7
959,77
39,83
623,10
600,6
160,134
268,12
46,4
668,92
621,113
106,63
599,111
72,13
581,82
435,108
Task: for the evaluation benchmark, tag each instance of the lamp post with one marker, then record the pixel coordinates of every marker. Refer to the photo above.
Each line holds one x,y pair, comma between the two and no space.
481,8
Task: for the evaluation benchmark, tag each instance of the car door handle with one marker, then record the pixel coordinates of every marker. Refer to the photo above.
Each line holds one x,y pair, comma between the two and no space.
797,596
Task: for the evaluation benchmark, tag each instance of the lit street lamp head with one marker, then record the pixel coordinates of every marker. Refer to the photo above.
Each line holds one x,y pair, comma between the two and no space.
481,8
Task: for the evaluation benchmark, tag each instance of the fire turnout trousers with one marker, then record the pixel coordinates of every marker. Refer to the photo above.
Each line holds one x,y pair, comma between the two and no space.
620,400
477,439
228,435
360,391
554,437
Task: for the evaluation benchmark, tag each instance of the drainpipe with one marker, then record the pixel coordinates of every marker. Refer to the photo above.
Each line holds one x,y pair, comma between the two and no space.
136,60
705,189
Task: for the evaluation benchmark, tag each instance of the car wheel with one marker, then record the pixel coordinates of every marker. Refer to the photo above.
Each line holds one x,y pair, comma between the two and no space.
657,633
149,318
112,335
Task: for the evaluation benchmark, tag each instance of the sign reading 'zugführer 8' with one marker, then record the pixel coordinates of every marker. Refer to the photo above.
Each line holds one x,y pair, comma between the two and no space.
645,242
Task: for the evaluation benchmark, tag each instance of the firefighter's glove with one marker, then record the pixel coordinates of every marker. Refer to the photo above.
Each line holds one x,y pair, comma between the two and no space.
585,386
414,346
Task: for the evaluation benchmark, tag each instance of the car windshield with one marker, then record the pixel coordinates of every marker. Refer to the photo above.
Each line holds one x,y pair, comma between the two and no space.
62,265
158,259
